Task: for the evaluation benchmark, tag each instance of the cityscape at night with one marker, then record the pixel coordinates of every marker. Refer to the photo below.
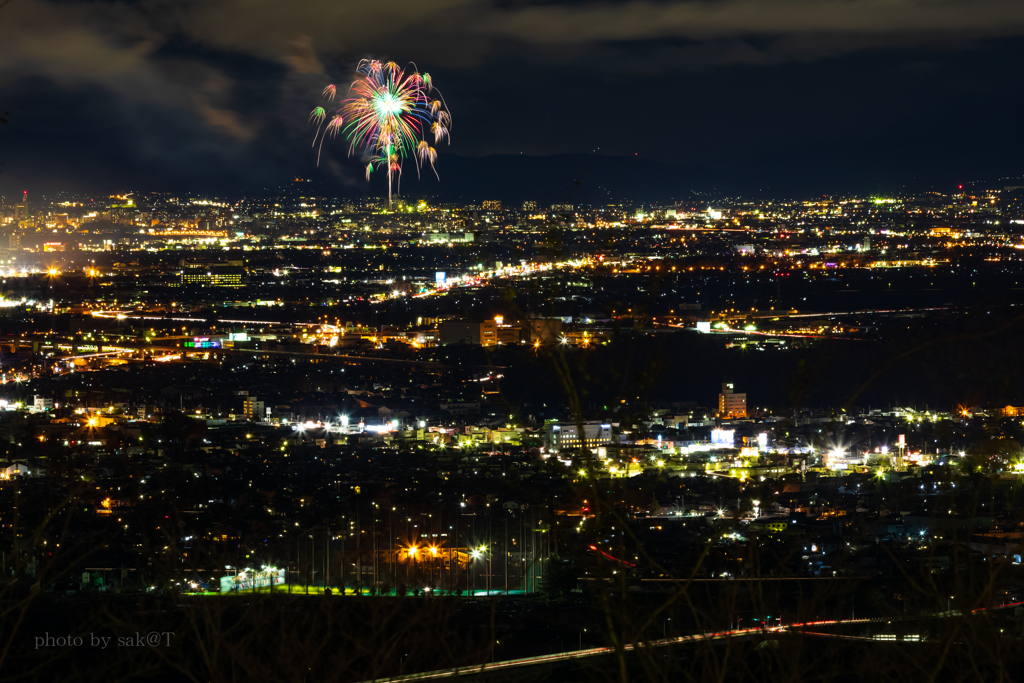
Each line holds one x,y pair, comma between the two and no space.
618,341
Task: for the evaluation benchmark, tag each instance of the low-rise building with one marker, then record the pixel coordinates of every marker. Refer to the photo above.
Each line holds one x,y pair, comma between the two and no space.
560,436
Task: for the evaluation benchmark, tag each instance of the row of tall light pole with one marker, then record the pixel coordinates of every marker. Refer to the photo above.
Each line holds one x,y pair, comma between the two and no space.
412,550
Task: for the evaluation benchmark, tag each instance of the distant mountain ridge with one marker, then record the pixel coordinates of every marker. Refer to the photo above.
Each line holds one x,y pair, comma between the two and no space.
594,179
570,179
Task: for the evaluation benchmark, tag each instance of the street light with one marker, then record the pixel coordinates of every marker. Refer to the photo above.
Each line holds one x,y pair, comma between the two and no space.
475,554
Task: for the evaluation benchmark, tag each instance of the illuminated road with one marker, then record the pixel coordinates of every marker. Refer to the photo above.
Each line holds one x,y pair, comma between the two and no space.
733,330
507,664
122,315
507,272
866,311
174,352
742,633
823,314
101,354
346,358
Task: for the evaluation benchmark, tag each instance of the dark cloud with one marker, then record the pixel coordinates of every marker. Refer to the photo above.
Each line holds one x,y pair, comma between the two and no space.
301,57
473,27
607,21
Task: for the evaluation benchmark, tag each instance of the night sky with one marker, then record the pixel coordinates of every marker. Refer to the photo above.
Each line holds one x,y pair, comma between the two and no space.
804,95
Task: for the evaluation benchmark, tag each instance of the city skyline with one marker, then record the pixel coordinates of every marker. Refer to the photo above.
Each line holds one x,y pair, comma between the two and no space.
534,431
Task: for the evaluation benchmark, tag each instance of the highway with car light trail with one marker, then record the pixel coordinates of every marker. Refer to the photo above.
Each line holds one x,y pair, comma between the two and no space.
554,658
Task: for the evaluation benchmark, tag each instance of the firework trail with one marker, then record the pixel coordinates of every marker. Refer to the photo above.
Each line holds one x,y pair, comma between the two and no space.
389,113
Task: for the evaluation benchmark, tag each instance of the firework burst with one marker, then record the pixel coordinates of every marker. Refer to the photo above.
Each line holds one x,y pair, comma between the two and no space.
389,113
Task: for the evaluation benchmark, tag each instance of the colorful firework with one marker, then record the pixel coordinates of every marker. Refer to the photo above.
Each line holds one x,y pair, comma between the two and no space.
387,116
